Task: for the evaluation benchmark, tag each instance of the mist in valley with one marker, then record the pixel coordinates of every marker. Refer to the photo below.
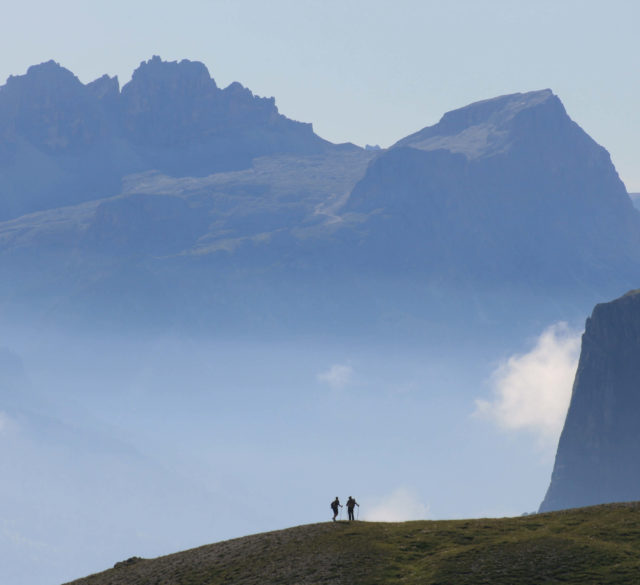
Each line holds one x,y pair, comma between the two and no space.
145,444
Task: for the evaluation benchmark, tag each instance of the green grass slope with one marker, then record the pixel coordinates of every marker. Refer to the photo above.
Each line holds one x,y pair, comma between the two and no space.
597,545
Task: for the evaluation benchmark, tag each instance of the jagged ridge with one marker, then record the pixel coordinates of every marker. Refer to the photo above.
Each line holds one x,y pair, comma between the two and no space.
63,142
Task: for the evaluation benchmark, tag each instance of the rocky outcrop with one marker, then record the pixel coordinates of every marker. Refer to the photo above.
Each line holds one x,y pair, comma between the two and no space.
63,142
598,454
181,122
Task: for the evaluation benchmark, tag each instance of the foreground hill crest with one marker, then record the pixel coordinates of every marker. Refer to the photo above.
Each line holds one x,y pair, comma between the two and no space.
590,545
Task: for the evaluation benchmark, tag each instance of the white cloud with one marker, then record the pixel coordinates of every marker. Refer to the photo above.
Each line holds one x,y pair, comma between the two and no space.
401,505
337,376
532,391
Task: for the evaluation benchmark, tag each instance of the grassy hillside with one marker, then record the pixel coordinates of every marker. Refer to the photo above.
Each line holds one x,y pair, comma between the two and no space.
598,545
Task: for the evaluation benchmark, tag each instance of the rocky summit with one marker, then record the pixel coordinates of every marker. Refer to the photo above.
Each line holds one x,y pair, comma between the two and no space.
507,189
597,458
63,142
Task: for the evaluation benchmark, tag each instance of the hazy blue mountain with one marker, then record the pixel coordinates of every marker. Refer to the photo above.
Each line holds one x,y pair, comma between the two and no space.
504,190
180,122
200,205
597,458
63,142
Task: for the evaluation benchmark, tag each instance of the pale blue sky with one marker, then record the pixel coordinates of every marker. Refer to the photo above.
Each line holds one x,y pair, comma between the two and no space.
366,72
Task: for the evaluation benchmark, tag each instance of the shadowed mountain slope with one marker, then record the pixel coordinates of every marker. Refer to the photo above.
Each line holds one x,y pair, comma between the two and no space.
597,458
591,545
507,189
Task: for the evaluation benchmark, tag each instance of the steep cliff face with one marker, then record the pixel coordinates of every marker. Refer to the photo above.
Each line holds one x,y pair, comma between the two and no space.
598,457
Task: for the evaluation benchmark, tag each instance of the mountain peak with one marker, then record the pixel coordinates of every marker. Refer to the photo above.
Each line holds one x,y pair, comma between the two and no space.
50,108
495,110
48,76
49,67
105,86
171,73
485,127
67,142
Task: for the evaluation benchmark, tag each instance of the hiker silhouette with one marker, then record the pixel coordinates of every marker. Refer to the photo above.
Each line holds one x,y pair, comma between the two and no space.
334,506
351,504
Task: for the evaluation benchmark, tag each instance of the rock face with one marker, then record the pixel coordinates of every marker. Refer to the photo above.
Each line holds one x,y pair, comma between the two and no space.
597,459
63,142
507,189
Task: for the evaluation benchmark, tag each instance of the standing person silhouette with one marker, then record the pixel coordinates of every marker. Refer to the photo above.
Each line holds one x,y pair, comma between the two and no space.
334,506
351,504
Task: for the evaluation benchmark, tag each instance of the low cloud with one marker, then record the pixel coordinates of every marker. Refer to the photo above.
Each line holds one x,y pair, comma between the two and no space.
401,505
337,376
532,390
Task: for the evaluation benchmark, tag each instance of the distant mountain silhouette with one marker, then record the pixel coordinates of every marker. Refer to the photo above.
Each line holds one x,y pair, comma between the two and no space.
62,142
199,204
508,189
597,458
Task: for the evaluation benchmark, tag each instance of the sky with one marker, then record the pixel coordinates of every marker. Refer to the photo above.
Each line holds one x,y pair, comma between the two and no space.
364,72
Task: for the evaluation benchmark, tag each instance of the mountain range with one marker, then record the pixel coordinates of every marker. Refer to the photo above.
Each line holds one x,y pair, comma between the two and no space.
110,198
64,142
